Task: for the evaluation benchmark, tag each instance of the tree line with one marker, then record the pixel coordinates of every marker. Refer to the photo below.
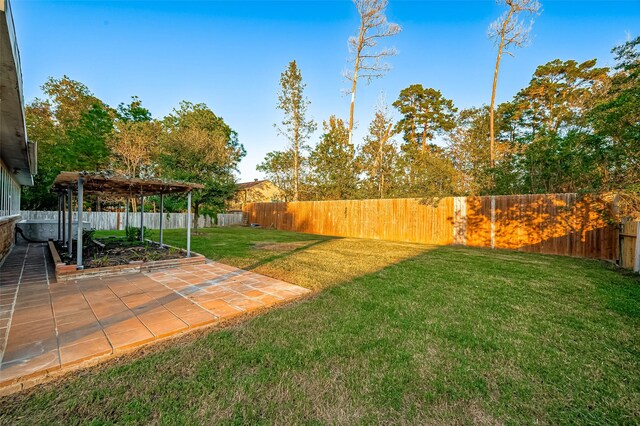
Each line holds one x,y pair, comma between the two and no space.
574,128
76,131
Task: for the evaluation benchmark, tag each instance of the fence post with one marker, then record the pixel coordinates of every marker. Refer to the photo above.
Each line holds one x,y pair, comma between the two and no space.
460,220
636,263
493,221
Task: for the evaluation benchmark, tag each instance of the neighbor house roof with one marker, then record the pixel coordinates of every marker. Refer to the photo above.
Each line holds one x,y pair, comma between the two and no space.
114,184
247,185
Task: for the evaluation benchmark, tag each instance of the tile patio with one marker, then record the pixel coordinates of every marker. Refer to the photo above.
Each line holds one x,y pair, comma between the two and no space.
47,326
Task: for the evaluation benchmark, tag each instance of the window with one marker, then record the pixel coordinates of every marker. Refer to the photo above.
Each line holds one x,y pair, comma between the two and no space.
9,193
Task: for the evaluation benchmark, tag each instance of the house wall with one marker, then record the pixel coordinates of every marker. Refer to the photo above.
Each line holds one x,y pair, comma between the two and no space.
7,230
9,209
264,192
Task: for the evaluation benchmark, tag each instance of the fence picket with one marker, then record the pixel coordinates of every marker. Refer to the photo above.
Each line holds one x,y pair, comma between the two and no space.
108,221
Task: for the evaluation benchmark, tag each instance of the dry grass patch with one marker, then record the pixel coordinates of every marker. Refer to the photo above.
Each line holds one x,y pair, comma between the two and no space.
331,262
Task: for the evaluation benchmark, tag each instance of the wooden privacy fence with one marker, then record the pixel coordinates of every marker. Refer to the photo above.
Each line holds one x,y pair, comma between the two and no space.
564,224
230,219
110,221
630,245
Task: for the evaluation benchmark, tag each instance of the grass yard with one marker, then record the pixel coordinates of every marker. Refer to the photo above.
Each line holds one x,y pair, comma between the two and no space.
397,333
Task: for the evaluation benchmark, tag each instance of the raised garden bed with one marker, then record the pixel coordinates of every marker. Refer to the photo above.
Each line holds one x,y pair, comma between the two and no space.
116,256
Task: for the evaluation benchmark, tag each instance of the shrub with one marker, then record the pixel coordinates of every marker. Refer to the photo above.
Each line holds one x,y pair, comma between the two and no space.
133,233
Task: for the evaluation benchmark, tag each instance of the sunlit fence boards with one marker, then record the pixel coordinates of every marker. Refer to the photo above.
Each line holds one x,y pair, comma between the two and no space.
565,224
397,220
630,245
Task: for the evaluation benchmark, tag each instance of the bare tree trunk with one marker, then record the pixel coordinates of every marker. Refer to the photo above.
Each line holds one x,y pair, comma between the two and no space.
354,82
378,165
373,27
296,164
492,134
510,33
196,215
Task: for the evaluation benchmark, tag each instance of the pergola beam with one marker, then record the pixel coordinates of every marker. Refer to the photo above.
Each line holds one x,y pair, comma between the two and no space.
109,184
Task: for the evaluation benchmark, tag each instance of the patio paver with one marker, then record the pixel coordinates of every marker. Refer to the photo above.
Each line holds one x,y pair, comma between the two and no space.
47,326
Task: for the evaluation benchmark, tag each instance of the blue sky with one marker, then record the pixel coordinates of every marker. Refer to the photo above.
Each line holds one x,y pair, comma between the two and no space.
229,54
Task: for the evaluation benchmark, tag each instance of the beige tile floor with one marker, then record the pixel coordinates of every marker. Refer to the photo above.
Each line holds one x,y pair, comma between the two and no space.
47,326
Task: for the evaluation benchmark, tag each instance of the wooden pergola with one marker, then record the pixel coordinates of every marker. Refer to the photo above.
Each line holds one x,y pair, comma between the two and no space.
103,183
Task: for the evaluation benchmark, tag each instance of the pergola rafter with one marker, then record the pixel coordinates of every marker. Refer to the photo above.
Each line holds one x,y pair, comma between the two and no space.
104,183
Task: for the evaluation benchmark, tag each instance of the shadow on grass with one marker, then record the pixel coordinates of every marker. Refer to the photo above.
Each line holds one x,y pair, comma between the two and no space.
286,254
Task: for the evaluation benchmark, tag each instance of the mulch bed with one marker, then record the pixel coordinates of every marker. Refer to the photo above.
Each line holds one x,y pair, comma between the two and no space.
119,251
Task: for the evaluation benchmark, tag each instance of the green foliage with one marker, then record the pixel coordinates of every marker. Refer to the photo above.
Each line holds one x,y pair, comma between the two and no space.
427,173
87,142
133,233
426,168
278,166
296,127
87,236
425,114
574,129
333,165
378,158
469,148
198,146
616,122
99,261
133,112
76,131
72,128
559,94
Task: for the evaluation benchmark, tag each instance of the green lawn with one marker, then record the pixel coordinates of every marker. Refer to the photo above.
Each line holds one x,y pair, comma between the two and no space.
396,333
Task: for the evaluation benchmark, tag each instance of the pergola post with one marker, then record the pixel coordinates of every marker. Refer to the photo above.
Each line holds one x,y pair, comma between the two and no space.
79,264
59,218
62,218
142,218
126,213
161,218
189,224
70,217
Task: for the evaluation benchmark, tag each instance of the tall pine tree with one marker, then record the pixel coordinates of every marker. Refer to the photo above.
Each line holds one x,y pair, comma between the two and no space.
295,125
